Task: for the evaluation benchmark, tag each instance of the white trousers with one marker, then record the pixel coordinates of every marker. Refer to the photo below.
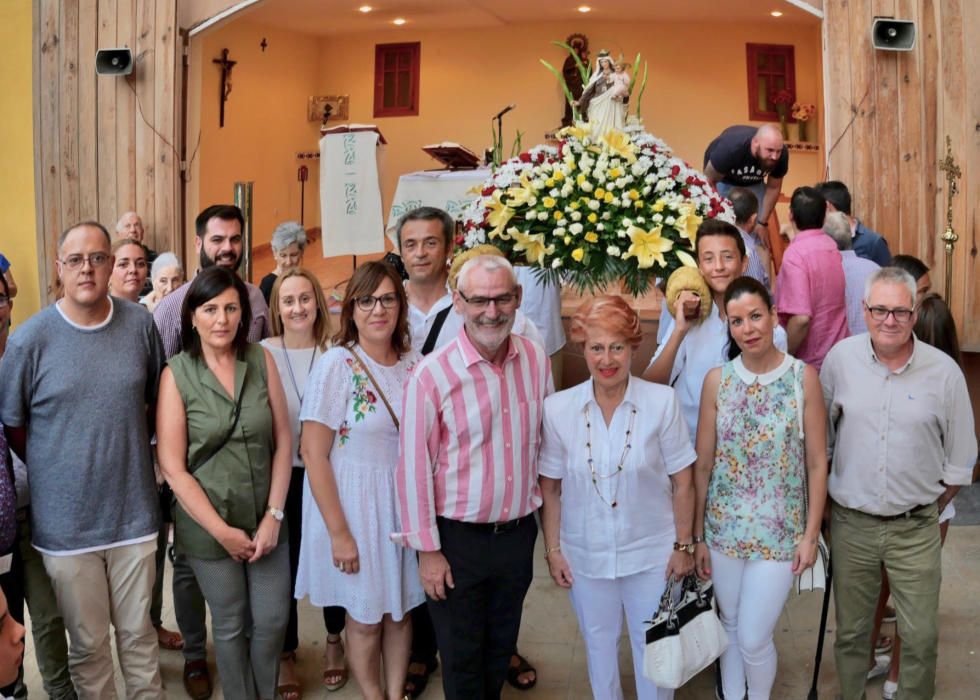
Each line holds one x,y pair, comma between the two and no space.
599,605
750,595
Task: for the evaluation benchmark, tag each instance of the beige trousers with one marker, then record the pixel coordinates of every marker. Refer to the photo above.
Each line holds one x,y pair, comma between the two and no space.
96,589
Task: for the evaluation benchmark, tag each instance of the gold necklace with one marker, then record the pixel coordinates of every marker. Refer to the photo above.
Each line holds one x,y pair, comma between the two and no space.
622,458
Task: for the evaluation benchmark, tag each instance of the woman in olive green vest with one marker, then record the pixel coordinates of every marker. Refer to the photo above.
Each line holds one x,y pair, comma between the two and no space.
225,447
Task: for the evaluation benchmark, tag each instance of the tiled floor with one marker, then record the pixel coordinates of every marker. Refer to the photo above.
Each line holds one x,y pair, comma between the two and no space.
550,638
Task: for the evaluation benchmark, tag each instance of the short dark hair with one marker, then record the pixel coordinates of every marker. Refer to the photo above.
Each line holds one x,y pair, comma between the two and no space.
429,214
225,212
911,265
208,284
935,325
744,202
739,287
808,207
365,280
93,224
717,227
836,192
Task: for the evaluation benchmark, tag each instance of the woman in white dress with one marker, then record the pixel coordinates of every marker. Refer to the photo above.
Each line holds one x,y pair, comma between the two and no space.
617,481
301,334
350,447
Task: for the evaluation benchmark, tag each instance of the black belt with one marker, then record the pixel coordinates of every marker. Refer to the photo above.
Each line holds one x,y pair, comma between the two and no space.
497,528
907,514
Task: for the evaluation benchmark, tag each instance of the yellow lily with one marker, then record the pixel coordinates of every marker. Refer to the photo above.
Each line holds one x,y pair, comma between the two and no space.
648,247
578,131
619,144
500,215
685,258
688,221
533,246
520,195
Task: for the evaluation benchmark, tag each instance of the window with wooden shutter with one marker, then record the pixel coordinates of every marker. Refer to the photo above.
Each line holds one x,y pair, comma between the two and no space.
396,80
771,68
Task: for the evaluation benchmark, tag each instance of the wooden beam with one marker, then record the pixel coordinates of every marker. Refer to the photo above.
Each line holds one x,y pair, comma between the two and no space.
105,127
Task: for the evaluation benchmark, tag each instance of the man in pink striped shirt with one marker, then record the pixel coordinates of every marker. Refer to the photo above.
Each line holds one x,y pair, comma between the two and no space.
467,478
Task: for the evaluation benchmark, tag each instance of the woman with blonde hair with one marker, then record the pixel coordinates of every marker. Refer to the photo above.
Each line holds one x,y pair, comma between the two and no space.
301,334
350,447
618,489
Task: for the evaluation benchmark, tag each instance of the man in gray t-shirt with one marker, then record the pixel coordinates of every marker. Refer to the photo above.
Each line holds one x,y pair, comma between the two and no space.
78,380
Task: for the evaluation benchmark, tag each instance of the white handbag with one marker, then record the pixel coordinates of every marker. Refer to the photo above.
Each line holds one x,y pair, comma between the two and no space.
685,636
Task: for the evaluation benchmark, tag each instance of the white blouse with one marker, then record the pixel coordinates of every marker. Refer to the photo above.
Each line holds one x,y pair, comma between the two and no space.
600,541
294,385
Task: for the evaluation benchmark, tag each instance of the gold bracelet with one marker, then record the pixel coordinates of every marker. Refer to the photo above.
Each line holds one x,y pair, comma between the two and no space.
549,550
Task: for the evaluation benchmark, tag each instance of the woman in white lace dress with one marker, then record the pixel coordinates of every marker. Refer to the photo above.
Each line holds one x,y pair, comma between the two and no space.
350,447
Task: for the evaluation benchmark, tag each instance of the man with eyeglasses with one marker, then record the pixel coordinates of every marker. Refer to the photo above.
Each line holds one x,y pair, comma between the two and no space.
80,382
425,240
467,478
218,242
901,436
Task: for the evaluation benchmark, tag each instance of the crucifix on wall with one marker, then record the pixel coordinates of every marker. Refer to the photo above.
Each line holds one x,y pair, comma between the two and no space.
226,66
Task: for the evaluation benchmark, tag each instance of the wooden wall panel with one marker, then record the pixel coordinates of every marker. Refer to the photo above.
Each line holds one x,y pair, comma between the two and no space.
903,106
96,154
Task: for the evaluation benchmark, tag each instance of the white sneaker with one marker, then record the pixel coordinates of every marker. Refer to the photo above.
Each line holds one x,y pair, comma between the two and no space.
889,690
883,662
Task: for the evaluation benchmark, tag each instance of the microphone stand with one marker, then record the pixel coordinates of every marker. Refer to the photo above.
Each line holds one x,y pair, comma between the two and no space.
500,133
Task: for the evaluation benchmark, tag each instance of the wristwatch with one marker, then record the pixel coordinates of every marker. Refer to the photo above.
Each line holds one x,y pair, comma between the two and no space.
689,547
276,513
697,539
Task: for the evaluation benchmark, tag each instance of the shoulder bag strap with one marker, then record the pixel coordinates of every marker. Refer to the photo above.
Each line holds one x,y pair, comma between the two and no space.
227,437
377,388
430,340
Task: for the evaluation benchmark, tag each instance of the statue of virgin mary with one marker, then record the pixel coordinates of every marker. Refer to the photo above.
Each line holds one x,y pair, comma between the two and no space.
604,99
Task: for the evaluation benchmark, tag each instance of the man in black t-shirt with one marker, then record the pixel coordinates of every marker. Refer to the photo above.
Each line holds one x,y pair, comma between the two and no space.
755,158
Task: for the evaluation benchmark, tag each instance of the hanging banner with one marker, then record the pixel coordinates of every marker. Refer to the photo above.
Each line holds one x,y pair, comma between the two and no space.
350,194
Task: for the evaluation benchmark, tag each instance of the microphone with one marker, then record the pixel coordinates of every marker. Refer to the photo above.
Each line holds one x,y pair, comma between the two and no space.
505,110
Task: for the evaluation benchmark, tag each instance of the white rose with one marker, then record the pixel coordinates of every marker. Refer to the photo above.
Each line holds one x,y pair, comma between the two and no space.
575,228
600,227
612,250
576,215
556,263
587,186
594,204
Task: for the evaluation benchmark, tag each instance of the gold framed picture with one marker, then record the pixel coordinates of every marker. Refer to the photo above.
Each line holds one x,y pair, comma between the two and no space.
339,107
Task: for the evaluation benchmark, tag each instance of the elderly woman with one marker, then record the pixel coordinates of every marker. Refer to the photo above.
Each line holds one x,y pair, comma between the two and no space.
288,244
129,269
225,447
617,483
166,274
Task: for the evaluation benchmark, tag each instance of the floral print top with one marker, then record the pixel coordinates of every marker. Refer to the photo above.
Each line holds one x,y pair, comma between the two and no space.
755,505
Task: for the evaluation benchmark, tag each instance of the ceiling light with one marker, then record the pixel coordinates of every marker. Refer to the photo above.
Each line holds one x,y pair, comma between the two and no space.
365,8
584,8
399,21
776,13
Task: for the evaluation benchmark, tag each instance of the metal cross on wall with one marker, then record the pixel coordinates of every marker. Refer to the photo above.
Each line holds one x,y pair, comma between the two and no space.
226,66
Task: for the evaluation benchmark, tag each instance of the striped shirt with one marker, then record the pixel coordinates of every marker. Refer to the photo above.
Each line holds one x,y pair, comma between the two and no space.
167,317
469,438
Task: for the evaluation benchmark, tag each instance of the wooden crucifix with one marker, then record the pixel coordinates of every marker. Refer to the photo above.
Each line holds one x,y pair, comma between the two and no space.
226,67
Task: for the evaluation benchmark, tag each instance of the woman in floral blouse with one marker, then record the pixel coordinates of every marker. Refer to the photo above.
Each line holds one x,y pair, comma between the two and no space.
762,460
349,444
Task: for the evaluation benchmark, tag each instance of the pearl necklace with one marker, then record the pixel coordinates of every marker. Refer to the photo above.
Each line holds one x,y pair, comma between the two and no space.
622,458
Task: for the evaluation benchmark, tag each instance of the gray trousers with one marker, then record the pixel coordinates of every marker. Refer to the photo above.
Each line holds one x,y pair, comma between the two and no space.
249,610
189,609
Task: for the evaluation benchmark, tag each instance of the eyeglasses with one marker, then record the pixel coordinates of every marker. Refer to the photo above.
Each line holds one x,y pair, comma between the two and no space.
484,302
74,262
368,302
880,313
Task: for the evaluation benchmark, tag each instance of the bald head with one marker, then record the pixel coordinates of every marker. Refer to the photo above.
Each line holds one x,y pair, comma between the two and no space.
130,225
767,146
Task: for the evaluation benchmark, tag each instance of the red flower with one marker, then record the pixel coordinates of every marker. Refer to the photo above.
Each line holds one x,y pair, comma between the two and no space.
459,240
686,192
369,395
487,191
675,170
524,157
689,180
783,97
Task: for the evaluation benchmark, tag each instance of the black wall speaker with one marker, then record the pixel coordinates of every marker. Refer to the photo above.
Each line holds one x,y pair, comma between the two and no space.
114,62
893,34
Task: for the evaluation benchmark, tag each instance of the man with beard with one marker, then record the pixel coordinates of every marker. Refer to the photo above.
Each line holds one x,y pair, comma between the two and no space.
218,242
755,158
467,478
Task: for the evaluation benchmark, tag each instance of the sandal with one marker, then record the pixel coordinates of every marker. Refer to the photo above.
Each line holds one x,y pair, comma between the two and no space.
336,678
293,690
168,639
514,673
415,682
